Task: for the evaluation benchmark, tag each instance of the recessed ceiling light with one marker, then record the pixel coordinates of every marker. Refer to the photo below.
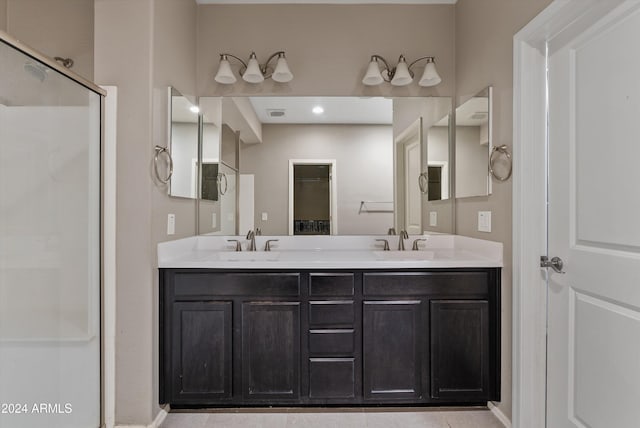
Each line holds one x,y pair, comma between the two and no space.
318,110
194,109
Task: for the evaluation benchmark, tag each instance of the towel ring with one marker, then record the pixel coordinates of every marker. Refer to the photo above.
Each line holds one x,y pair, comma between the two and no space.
423,183
500,150
222,177
159,151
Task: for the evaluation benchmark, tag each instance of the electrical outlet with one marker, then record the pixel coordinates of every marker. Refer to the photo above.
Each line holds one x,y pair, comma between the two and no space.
484,221
433,218
265,216
171,224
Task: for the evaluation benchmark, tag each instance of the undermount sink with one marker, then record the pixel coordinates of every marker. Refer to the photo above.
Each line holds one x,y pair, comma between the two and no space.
248,256
405,255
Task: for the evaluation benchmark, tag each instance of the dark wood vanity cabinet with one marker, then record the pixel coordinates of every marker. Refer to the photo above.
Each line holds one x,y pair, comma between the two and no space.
394,350
249,338
270,351
201,351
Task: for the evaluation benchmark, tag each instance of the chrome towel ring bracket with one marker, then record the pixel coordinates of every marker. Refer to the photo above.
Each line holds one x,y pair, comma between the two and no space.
497,152
156,159
222,178
423,183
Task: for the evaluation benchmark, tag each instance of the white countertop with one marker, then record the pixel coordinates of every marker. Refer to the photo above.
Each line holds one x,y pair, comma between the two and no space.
330,252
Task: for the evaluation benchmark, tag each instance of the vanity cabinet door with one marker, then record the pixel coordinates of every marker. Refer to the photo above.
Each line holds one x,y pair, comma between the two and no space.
460,357
270,351
201,360
393,350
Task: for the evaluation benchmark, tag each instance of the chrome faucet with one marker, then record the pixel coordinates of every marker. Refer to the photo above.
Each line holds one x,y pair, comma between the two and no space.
415,244
267,245
401,237
251,236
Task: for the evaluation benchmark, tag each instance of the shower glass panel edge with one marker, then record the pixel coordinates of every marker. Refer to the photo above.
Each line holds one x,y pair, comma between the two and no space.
50,243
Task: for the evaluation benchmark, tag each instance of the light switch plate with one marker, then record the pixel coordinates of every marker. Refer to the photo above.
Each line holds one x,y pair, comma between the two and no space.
484,221
433,218
265,216
171,224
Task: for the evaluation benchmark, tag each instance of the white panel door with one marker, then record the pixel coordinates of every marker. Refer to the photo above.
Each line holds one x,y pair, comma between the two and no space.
593,354
413,197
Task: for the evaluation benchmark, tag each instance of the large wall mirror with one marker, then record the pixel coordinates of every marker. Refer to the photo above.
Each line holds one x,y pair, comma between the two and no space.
329,165
473,145
183,145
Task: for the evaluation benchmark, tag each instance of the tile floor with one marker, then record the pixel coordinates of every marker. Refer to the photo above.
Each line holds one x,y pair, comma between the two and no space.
334,418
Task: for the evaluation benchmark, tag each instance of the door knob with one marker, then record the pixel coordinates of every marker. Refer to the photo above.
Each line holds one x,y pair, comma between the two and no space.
555,263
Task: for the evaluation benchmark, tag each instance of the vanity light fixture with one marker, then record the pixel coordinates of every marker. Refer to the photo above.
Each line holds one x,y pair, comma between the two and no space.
401,74
252,72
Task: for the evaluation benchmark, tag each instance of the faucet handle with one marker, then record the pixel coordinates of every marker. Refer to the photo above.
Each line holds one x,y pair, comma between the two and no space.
238,244
386,244
267,245
250,234
415,243
391,231
258,231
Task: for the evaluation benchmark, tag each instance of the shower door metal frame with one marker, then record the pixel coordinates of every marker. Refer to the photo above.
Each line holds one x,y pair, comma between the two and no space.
51,63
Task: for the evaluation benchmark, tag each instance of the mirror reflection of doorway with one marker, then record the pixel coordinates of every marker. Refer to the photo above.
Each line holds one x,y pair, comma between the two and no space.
312,199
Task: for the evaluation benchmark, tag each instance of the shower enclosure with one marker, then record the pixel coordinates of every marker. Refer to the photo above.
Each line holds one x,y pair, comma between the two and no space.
50,258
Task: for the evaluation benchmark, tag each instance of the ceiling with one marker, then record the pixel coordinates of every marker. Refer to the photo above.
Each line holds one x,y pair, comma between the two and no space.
474,112
180,110
337,110
327,1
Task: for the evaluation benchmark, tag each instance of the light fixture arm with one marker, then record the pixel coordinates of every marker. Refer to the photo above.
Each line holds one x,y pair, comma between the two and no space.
225,55
265,68
390,71
428,58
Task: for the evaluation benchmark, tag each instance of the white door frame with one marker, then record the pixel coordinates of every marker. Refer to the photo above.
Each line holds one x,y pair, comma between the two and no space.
529,205
333,190
414,130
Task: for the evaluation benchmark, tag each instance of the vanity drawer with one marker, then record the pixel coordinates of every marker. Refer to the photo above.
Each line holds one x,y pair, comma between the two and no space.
337,342
331,378
331,312
421,283
331,284
188,284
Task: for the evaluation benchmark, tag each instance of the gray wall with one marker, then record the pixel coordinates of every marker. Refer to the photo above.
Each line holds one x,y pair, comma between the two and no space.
153,47
364,172
53,27
484,56
3,15
328,46
471,162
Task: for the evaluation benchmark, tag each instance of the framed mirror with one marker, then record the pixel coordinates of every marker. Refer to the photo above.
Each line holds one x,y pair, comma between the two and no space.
473,145
327,165
183,145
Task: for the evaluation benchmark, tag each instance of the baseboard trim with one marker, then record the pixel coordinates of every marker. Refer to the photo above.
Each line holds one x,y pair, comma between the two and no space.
498,414
162,414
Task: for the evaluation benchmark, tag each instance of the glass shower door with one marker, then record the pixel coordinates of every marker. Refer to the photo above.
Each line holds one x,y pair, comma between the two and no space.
49,246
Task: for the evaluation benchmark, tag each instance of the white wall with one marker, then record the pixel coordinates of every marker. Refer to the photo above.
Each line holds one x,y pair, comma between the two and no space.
364,172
